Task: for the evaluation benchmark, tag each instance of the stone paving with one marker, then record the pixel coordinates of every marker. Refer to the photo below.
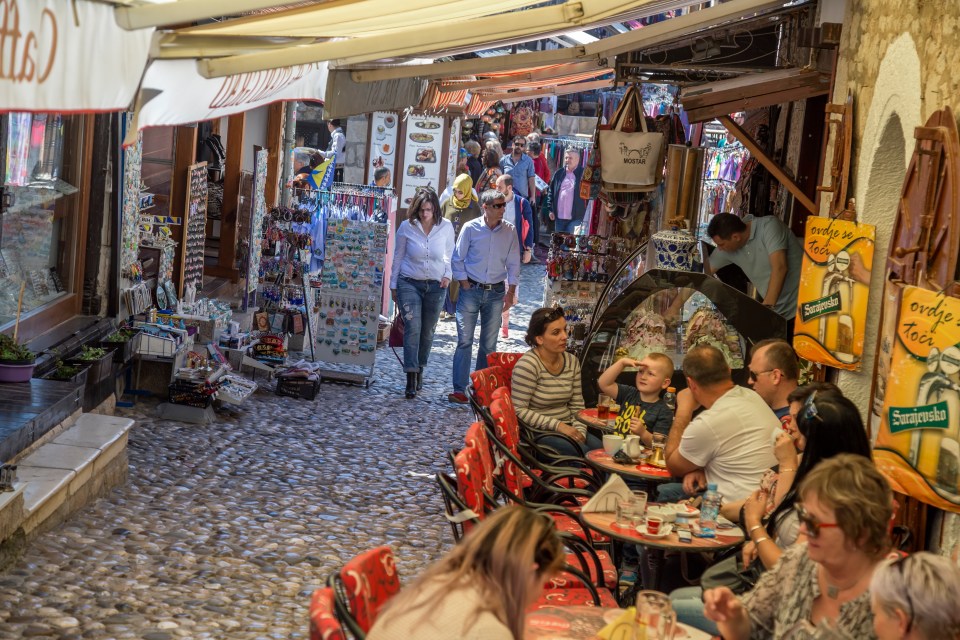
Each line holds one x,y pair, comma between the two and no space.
223,531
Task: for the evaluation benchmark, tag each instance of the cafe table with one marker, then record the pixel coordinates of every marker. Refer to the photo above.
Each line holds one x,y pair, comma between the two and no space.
584,623
589,418
641,471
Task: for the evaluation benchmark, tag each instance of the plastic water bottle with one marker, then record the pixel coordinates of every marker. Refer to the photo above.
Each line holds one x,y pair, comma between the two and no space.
709,511
679,349
670,399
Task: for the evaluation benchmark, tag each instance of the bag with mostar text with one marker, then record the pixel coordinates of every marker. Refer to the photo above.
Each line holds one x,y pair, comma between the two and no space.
633,157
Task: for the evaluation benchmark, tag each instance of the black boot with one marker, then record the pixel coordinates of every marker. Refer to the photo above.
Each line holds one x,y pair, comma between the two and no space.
420,379
411,385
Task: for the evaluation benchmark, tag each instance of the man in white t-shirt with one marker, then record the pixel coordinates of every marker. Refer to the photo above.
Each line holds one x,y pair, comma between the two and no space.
732,440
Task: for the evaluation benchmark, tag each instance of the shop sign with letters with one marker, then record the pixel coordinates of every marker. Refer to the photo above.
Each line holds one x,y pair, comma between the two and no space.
918,445
834,291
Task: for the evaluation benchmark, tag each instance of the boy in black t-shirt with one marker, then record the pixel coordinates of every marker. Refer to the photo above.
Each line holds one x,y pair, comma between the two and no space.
653,376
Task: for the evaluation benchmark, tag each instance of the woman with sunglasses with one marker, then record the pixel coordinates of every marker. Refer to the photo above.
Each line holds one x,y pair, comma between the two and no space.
481,589
419,277
546,387
915,598
845,511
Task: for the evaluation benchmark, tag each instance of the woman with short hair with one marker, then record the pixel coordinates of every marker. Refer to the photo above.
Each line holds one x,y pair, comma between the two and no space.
916,597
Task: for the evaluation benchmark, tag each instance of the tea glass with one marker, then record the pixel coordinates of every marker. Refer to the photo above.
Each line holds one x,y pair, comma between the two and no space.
655,619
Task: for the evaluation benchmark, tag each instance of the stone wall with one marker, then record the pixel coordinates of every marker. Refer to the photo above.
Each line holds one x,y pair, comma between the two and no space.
355,163
898,59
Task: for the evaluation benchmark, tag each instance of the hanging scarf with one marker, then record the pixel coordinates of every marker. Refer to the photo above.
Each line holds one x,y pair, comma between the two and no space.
463,183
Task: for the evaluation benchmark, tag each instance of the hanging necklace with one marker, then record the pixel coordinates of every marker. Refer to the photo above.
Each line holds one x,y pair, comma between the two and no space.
554,366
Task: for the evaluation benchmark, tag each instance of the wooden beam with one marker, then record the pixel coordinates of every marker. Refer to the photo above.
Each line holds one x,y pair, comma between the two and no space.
231,192
767,162
559,90
475,66
530,76
275,113
156,15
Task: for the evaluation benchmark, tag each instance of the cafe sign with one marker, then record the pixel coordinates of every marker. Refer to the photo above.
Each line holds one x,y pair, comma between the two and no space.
68,55
918,444
833,294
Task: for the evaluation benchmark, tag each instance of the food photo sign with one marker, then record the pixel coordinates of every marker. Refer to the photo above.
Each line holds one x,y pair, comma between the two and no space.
834,291
383,143
918,445
423,144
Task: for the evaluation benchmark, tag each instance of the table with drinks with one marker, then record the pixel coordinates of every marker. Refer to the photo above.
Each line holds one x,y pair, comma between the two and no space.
585,623
642,470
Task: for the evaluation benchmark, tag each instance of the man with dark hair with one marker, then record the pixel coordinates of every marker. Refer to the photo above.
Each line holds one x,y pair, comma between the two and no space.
731,441
519,165
766,250
338,143
774,373
382,177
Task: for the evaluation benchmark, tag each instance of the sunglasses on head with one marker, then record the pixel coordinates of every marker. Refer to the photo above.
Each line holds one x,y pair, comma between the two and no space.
809,411
812,525
555,314
900,563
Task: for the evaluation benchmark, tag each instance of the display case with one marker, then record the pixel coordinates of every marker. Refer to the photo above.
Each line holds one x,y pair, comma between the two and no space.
669,312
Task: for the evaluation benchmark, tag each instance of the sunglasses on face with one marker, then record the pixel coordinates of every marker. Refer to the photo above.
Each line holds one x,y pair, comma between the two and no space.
753,375
812,525
500,205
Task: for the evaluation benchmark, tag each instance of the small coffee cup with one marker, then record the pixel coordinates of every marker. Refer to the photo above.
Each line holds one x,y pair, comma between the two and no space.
612,443
653,525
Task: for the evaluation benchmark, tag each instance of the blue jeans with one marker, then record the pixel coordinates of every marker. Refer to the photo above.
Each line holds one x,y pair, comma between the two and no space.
565,226
420,303
671,492
565,448
474,303
688,604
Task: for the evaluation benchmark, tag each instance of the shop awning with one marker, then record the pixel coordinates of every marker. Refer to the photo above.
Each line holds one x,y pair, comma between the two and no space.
752,91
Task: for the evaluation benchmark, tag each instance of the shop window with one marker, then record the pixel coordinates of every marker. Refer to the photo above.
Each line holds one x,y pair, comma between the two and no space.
41,166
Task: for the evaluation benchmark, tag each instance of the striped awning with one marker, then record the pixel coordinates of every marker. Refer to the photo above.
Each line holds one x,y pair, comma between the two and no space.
436,100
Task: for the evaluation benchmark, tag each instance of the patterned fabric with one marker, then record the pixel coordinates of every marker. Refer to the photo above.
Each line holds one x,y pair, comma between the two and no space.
323,621
570,581
569,525
507,431
370,580
470,482
574,598
486,381
477,439
505,360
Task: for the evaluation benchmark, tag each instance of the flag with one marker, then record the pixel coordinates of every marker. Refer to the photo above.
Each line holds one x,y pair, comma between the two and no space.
322,175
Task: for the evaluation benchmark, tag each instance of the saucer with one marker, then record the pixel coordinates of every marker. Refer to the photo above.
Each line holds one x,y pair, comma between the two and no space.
665,529
684,510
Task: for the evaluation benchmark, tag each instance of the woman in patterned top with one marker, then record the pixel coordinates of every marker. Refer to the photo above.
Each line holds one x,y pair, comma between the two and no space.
845,512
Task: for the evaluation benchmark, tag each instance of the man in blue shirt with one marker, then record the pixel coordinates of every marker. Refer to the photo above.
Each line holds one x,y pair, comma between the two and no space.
486,262
520,167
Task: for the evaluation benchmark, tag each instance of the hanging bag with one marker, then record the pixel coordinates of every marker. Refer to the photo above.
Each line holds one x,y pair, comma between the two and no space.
632,159
395,339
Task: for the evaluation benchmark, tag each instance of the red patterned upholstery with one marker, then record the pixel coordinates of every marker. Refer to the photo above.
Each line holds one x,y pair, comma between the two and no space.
477,438
573,598
486,381
323,619
508,432
470,481
370,580
569,525
570,581
505,360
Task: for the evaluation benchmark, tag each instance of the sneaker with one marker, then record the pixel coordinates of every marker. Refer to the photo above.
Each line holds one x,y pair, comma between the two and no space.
458,398
628,577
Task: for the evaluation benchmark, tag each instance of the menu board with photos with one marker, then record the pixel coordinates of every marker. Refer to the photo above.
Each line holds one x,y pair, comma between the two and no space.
195,227
453,157
422,161
383,143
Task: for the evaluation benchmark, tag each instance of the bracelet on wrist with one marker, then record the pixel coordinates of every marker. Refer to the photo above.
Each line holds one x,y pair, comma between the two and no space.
759,540
785,470
754,528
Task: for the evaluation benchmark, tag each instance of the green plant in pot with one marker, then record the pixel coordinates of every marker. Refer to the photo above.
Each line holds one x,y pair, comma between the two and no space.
16,360
120,335
64,371
90,354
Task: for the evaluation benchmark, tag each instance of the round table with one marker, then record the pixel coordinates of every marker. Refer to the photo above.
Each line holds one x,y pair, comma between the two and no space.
642,471
606,523
584,623
589,418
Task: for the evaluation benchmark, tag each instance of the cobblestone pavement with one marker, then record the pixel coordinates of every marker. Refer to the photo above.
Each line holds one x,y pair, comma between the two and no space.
223,531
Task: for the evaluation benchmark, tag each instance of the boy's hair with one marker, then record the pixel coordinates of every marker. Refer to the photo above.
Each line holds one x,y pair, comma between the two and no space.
665,360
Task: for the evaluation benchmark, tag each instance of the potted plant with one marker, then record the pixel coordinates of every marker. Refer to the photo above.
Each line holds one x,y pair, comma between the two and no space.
16,361
66,372
98,359
123,342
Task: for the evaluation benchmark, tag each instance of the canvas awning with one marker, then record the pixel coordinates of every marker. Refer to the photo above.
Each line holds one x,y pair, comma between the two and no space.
752,91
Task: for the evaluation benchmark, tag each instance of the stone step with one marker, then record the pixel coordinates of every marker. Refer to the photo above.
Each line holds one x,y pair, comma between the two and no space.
75,468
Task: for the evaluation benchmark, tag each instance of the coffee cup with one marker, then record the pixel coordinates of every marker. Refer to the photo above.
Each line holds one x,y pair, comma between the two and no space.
654,523
612,443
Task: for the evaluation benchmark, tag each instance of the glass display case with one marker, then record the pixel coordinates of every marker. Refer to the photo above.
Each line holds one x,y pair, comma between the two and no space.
669,312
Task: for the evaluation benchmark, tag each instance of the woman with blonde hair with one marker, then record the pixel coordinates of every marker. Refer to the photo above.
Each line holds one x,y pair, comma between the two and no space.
916,598
483,587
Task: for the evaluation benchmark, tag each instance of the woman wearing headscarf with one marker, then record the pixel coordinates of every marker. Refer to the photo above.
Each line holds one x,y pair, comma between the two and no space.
461,208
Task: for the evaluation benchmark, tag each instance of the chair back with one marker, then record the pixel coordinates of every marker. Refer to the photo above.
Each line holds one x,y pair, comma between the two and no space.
470,482
454,506
369,580
486,381
324,624
476,437
507,431
506,361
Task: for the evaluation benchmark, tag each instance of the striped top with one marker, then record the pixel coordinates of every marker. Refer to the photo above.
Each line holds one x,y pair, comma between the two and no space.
543,400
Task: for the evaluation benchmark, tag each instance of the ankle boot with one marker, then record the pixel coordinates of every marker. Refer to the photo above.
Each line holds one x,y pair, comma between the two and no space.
420,379
411,385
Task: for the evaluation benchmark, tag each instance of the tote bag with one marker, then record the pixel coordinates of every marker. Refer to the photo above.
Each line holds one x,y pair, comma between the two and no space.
632,160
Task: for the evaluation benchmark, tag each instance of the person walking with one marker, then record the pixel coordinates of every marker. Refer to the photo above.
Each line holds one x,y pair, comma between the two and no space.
491,170
562,198
338,142
486,262
419,278
459,209
474,164
519,165
519,213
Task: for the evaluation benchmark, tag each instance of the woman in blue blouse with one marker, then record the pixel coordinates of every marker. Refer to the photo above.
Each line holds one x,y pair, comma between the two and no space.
418,280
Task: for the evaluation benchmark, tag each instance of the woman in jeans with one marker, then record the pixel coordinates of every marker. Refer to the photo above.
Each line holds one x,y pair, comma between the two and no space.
419,279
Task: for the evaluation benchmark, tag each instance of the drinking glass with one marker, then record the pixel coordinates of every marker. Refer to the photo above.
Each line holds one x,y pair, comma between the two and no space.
626,508
603,407
655,617
639,507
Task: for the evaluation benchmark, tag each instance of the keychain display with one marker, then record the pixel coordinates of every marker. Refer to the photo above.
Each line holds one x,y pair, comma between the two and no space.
346,328
583,258
354,257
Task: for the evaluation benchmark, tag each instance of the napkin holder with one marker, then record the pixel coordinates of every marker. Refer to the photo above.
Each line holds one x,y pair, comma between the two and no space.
605,500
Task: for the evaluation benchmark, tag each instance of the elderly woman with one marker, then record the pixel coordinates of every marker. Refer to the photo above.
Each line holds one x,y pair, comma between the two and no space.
419,278
483,587
916,598
546,386
845,510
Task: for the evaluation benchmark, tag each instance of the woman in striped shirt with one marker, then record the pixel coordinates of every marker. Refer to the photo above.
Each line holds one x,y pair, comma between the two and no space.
546,387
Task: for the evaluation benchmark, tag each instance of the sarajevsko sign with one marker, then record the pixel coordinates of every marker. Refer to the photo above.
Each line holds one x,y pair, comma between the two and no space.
49,63
175,93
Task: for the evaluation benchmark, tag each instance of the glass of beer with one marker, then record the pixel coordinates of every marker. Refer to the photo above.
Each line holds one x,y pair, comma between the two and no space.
603,407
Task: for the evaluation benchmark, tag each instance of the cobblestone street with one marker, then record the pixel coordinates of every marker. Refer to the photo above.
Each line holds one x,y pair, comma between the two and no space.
223,531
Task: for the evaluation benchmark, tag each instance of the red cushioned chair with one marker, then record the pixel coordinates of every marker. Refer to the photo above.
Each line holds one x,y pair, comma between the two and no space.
324,624
483,382
363,586
505,360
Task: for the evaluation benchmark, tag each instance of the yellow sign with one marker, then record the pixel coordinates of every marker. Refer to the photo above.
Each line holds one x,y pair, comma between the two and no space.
918,445
834,288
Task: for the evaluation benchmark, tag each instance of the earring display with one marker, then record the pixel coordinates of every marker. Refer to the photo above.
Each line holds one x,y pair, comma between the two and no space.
195,230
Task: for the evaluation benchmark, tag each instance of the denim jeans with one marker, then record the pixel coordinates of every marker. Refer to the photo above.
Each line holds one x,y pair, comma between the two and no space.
688,604
420,303
474,303
565,448
565,226
671,492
